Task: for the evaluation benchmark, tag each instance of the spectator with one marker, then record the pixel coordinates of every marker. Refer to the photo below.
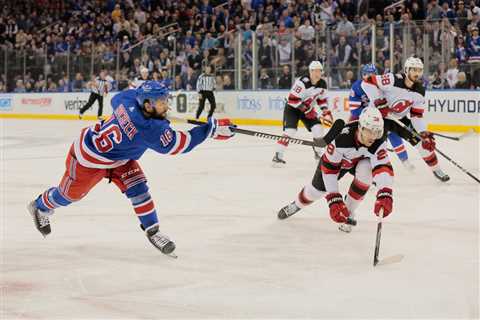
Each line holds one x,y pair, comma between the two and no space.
78,84
344,27
285,80
227,82
19,87
306,32
265,80
452,73
462,82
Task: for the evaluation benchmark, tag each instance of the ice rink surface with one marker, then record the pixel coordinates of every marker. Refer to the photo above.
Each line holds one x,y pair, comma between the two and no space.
236,260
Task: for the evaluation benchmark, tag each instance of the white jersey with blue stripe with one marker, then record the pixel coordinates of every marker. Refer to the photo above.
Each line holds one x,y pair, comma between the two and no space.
127,134
357,100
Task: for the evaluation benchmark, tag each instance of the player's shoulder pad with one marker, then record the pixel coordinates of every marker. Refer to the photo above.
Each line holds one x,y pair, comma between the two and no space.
374,147
417,86
346,138
306,81
321,84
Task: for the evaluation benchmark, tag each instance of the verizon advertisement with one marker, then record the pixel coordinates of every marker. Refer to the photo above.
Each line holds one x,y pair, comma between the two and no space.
461,108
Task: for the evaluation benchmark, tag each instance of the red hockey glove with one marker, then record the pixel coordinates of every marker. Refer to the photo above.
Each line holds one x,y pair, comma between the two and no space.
384,201
428,141
326,118
222,129
338,210
310,113
382,106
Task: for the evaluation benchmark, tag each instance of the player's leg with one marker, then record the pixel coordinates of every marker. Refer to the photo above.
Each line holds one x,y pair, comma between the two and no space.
309,194
316,128
290,125
358,188
100,106
131,180
400,150
428,154
91,100
75,184
201,104
213,104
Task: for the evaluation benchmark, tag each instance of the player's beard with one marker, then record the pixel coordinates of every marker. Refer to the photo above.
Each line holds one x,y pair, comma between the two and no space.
156,115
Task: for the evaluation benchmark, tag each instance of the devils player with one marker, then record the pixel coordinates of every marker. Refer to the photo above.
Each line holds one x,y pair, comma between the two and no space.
307,101
361,150
403,97
110,149
359,100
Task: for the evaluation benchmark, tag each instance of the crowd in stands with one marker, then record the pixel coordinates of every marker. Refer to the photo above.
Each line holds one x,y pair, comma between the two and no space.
59,45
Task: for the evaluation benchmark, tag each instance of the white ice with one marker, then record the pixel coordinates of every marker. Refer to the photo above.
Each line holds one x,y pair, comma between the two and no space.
236,259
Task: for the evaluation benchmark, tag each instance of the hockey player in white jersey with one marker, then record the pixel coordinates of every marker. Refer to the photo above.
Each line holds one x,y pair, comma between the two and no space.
361,150
307,101
402,96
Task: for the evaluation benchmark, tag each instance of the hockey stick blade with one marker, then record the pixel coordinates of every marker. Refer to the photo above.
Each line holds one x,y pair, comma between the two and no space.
459,138
390,260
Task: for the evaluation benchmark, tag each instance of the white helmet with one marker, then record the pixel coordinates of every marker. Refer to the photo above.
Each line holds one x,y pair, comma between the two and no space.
371,119
143,70
315,65
413,62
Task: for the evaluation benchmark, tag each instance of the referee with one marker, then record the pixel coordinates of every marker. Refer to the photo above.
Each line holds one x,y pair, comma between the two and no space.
205,85
100,88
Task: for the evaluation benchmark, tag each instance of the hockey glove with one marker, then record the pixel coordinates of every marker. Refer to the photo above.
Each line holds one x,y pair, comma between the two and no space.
428,141
221,129
310,113
338,210
384,201
326,118
382,106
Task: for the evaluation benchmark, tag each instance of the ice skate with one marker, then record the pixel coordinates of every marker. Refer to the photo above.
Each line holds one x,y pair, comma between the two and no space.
277,161
41,220
288,211
160,241
440,175
347,228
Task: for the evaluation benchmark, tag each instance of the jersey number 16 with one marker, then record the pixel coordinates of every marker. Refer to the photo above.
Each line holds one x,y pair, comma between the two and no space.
103,142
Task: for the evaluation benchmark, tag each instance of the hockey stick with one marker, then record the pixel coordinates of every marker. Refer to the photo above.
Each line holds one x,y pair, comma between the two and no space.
317,142
463,136
436,149
377,240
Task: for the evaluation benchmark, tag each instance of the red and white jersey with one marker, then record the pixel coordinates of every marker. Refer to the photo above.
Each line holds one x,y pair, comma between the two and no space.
346,151
402,101
304,93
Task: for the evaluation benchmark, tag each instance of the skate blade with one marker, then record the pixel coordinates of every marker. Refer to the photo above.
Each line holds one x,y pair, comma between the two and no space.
391,259
171,255
278,165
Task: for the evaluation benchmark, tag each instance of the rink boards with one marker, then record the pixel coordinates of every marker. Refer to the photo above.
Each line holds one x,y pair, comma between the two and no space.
445,110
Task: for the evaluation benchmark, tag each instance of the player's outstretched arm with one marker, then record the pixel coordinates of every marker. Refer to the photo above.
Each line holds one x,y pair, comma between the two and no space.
173,142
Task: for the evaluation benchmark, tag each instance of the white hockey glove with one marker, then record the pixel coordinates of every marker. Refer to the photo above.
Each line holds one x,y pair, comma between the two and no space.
221,129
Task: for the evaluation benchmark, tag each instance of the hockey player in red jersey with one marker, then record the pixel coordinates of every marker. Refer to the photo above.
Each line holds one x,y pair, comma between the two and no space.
402,96
361,150
110,149
306,102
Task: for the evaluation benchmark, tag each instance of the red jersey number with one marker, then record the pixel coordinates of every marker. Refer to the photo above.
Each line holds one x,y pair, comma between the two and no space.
382,154
385,80
104,142
330,149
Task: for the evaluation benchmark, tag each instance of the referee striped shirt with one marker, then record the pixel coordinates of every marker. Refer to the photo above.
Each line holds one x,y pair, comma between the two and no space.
100,87
206,82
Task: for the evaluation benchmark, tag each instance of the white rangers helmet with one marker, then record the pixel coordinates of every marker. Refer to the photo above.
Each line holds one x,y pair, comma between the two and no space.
413,62
371,119
315,65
